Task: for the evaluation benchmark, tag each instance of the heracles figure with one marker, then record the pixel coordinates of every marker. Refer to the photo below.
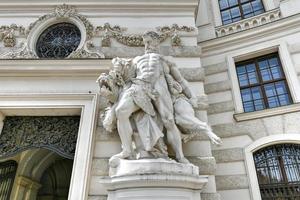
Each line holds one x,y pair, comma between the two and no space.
151,105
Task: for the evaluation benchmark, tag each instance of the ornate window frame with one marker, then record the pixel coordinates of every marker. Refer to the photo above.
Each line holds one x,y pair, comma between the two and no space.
56,102
287,66
62,13
259,144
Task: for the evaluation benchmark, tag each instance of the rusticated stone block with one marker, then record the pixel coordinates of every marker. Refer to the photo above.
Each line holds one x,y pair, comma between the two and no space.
220,107
104,197
210,196
207,165
228,155
217,87
100,167
216,68
193,74
232,182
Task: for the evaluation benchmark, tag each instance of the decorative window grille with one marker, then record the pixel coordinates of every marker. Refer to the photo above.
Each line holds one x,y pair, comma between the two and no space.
262,83
7,175
278,172
58,41
236,10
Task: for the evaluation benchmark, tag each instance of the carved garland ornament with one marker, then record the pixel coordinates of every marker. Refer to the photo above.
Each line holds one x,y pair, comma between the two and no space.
58,134
136,40
106,32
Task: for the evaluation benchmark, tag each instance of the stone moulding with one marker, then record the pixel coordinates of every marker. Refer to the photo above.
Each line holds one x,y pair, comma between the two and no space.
25,48
249,23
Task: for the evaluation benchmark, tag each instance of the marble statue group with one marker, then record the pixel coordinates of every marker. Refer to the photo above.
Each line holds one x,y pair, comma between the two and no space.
151,105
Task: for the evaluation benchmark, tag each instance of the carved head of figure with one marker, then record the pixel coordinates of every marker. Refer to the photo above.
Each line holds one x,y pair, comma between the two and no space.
151,40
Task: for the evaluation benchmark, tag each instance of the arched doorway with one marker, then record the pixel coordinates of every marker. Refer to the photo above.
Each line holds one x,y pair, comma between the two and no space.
55,181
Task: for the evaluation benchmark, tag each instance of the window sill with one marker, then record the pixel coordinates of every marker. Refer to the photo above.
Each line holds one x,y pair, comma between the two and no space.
267,112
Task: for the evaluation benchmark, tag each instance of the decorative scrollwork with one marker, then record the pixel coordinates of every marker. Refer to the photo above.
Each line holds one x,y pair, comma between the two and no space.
65,11
23,52
58,134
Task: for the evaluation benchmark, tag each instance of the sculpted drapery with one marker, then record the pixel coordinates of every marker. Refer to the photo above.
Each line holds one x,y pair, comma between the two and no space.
151,105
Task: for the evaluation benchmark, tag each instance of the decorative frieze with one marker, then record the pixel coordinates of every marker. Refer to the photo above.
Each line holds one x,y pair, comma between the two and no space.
26,49
248,23
135,40
8,34
25,132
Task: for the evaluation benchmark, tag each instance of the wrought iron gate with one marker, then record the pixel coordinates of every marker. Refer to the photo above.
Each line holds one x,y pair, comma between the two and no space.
278,172
7,175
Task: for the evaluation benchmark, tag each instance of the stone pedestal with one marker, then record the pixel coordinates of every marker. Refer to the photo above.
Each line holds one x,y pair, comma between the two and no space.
150,179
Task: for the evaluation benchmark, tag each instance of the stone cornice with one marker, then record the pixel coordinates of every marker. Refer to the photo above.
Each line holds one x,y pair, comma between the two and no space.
106,6
54,67
259,34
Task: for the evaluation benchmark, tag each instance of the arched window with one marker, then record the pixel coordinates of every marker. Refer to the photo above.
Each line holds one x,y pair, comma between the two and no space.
278,171
7,175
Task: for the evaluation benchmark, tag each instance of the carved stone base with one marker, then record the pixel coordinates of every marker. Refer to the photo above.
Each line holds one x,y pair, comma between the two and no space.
158,179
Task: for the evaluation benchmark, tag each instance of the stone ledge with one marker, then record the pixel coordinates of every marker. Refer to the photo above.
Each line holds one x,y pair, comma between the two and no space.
228,155
267,112
232,182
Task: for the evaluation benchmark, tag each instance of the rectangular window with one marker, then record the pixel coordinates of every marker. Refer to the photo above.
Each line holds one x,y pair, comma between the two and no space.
262,83
235,10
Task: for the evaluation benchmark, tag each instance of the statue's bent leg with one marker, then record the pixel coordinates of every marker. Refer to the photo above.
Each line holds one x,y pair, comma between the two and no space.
124,110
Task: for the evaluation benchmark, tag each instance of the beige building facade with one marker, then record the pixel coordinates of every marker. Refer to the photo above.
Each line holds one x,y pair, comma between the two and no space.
241,58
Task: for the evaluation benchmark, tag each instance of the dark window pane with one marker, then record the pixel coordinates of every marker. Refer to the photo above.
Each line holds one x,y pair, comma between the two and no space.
257,5
247,8
226,15
280,88
266,74
259,104
243,79
235,13
248,106
223,4
232,2
246,95
263,64
284,100
273,102
252,78
270,90
241,70
256,93
276,72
